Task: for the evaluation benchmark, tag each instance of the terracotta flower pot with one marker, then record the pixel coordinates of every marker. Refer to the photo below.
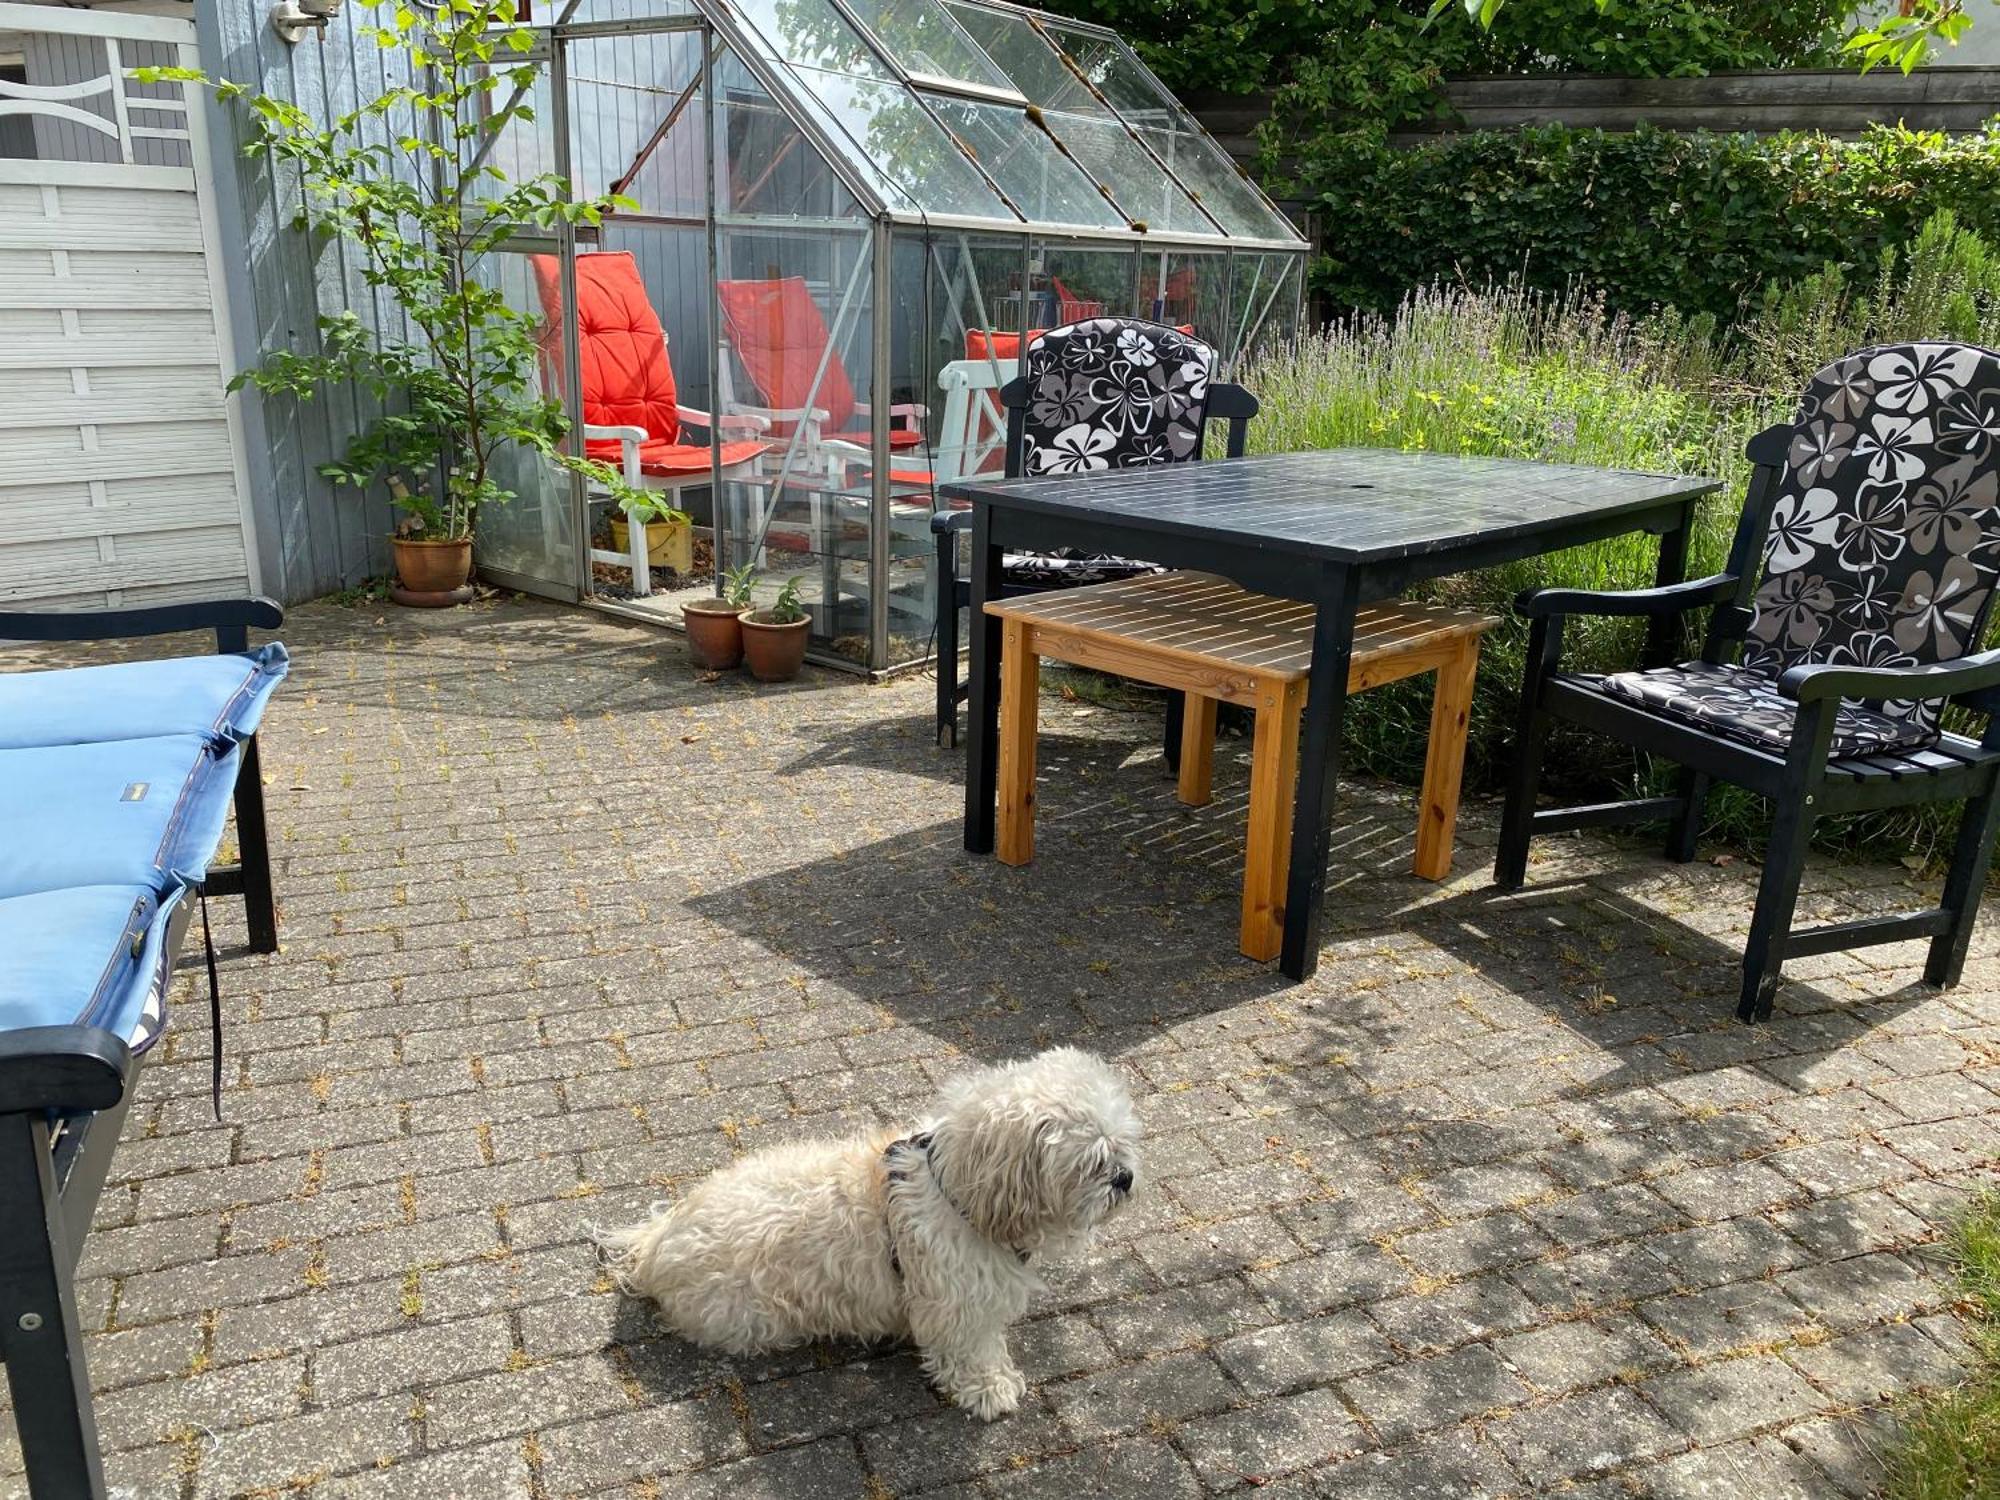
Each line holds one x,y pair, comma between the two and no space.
432,567
715,633
774,652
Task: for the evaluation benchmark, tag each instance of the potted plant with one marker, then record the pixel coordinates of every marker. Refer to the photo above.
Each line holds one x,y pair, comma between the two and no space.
715,626
407,179
774,639
669,532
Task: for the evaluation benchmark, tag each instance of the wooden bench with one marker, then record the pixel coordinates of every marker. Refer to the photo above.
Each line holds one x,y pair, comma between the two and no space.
1218,643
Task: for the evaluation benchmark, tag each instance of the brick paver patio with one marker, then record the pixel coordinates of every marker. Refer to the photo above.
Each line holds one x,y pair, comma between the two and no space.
1502,1202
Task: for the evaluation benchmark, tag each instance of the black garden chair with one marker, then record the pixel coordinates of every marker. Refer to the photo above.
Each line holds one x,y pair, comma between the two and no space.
1107,393
1874,519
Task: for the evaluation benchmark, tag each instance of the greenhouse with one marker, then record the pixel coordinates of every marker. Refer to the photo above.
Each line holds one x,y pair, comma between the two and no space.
842,218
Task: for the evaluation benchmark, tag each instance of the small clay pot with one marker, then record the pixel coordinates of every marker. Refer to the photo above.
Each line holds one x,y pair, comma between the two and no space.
715,633
435,568
774,652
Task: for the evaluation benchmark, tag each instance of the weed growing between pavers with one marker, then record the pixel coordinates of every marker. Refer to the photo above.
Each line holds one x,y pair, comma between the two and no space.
1954,1445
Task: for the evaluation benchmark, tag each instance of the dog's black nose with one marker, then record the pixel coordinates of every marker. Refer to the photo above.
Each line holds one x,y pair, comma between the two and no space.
1122,1182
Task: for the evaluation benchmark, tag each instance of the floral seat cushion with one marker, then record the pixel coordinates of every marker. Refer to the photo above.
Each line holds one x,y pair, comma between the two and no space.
1747,706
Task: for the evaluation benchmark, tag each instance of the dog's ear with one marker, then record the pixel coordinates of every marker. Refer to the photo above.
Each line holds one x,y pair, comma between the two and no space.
992,1161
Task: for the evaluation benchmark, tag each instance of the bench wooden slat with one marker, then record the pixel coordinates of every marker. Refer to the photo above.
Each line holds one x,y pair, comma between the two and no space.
1205,619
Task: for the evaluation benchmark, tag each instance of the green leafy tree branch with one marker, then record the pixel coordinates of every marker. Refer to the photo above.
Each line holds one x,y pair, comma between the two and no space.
407,178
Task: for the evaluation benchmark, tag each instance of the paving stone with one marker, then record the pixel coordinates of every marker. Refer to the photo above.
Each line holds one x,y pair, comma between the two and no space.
1877,1364
926,1452
500,1405
1134,1469
1474,1246
1416,1395
1734,1250
411,1357
498,1471
1169,1389
659,1440
1710,1193
1587,1434
300,1449
1763,1467
824,1468
1334,1278
1851,1450
1186,1255
861,1394
1729,1398
1183,1316
1742,1315
1454,1465
214,1400
1867,1288
1289,1355
1433,1321
1563,1357
1273,1437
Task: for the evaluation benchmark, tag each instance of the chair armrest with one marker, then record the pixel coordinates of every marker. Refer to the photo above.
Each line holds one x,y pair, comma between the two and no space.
62,1068
622,434
730,421
1973,678
780,413
629,439
950,522
1672,599
901,409
160,619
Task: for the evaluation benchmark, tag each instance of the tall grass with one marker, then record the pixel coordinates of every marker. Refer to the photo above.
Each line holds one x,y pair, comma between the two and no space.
1511,373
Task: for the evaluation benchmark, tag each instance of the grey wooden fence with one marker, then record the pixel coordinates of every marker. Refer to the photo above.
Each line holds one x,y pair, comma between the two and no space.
1838,102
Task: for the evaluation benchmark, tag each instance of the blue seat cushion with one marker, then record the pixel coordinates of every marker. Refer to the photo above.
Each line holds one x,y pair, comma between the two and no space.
92,955
145,812
221,697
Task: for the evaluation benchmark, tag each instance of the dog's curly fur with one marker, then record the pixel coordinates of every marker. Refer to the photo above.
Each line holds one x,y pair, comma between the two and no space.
933,1241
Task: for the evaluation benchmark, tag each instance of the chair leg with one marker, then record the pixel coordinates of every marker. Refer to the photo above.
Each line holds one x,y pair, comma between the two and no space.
1274,774
947,635
1020,681
1971,858
1510,865
1444,761
1692,788
1170,743
1197,768
636,552
1777,898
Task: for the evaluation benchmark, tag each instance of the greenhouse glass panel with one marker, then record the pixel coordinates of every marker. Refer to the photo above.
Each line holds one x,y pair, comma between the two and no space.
892,128
812,34
1112,154
1075,281
637,125
1263,300
768,167
927,43
1172,133
1188,290
1035,67
1043,184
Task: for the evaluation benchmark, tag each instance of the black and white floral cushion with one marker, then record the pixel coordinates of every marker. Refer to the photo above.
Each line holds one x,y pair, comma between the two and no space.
1108,393
1748,707
1883,549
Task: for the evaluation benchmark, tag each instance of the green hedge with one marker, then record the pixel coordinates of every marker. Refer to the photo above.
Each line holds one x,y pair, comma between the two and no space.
1651,218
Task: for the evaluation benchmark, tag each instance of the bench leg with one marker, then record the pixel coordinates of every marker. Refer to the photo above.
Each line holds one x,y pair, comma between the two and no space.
1020,684
1777,898
1197,770
1274,773
44,1354
1971,859
1444,762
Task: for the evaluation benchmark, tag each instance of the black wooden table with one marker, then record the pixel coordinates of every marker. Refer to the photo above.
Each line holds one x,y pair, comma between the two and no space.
1338,529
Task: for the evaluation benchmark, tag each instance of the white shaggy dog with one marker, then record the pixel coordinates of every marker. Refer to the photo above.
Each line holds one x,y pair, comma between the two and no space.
932,1235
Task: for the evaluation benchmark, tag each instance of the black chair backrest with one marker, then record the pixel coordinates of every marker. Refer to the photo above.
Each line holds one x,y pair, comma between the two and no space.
1117,393
1875,516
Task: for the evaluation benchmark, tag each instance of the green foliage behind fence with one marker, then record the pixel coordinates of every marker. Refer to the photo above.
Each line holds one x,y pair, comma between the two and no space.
1651,218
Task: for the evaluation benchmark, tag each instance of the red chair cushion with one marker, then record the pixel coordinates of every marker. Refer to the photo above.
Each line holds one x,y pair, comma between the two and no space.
980,342
779,336
678,460
622,351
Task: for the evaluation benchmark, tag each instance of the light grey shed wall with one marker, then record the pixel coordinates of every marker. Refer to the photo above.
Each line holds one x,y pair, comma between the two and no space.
313,537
